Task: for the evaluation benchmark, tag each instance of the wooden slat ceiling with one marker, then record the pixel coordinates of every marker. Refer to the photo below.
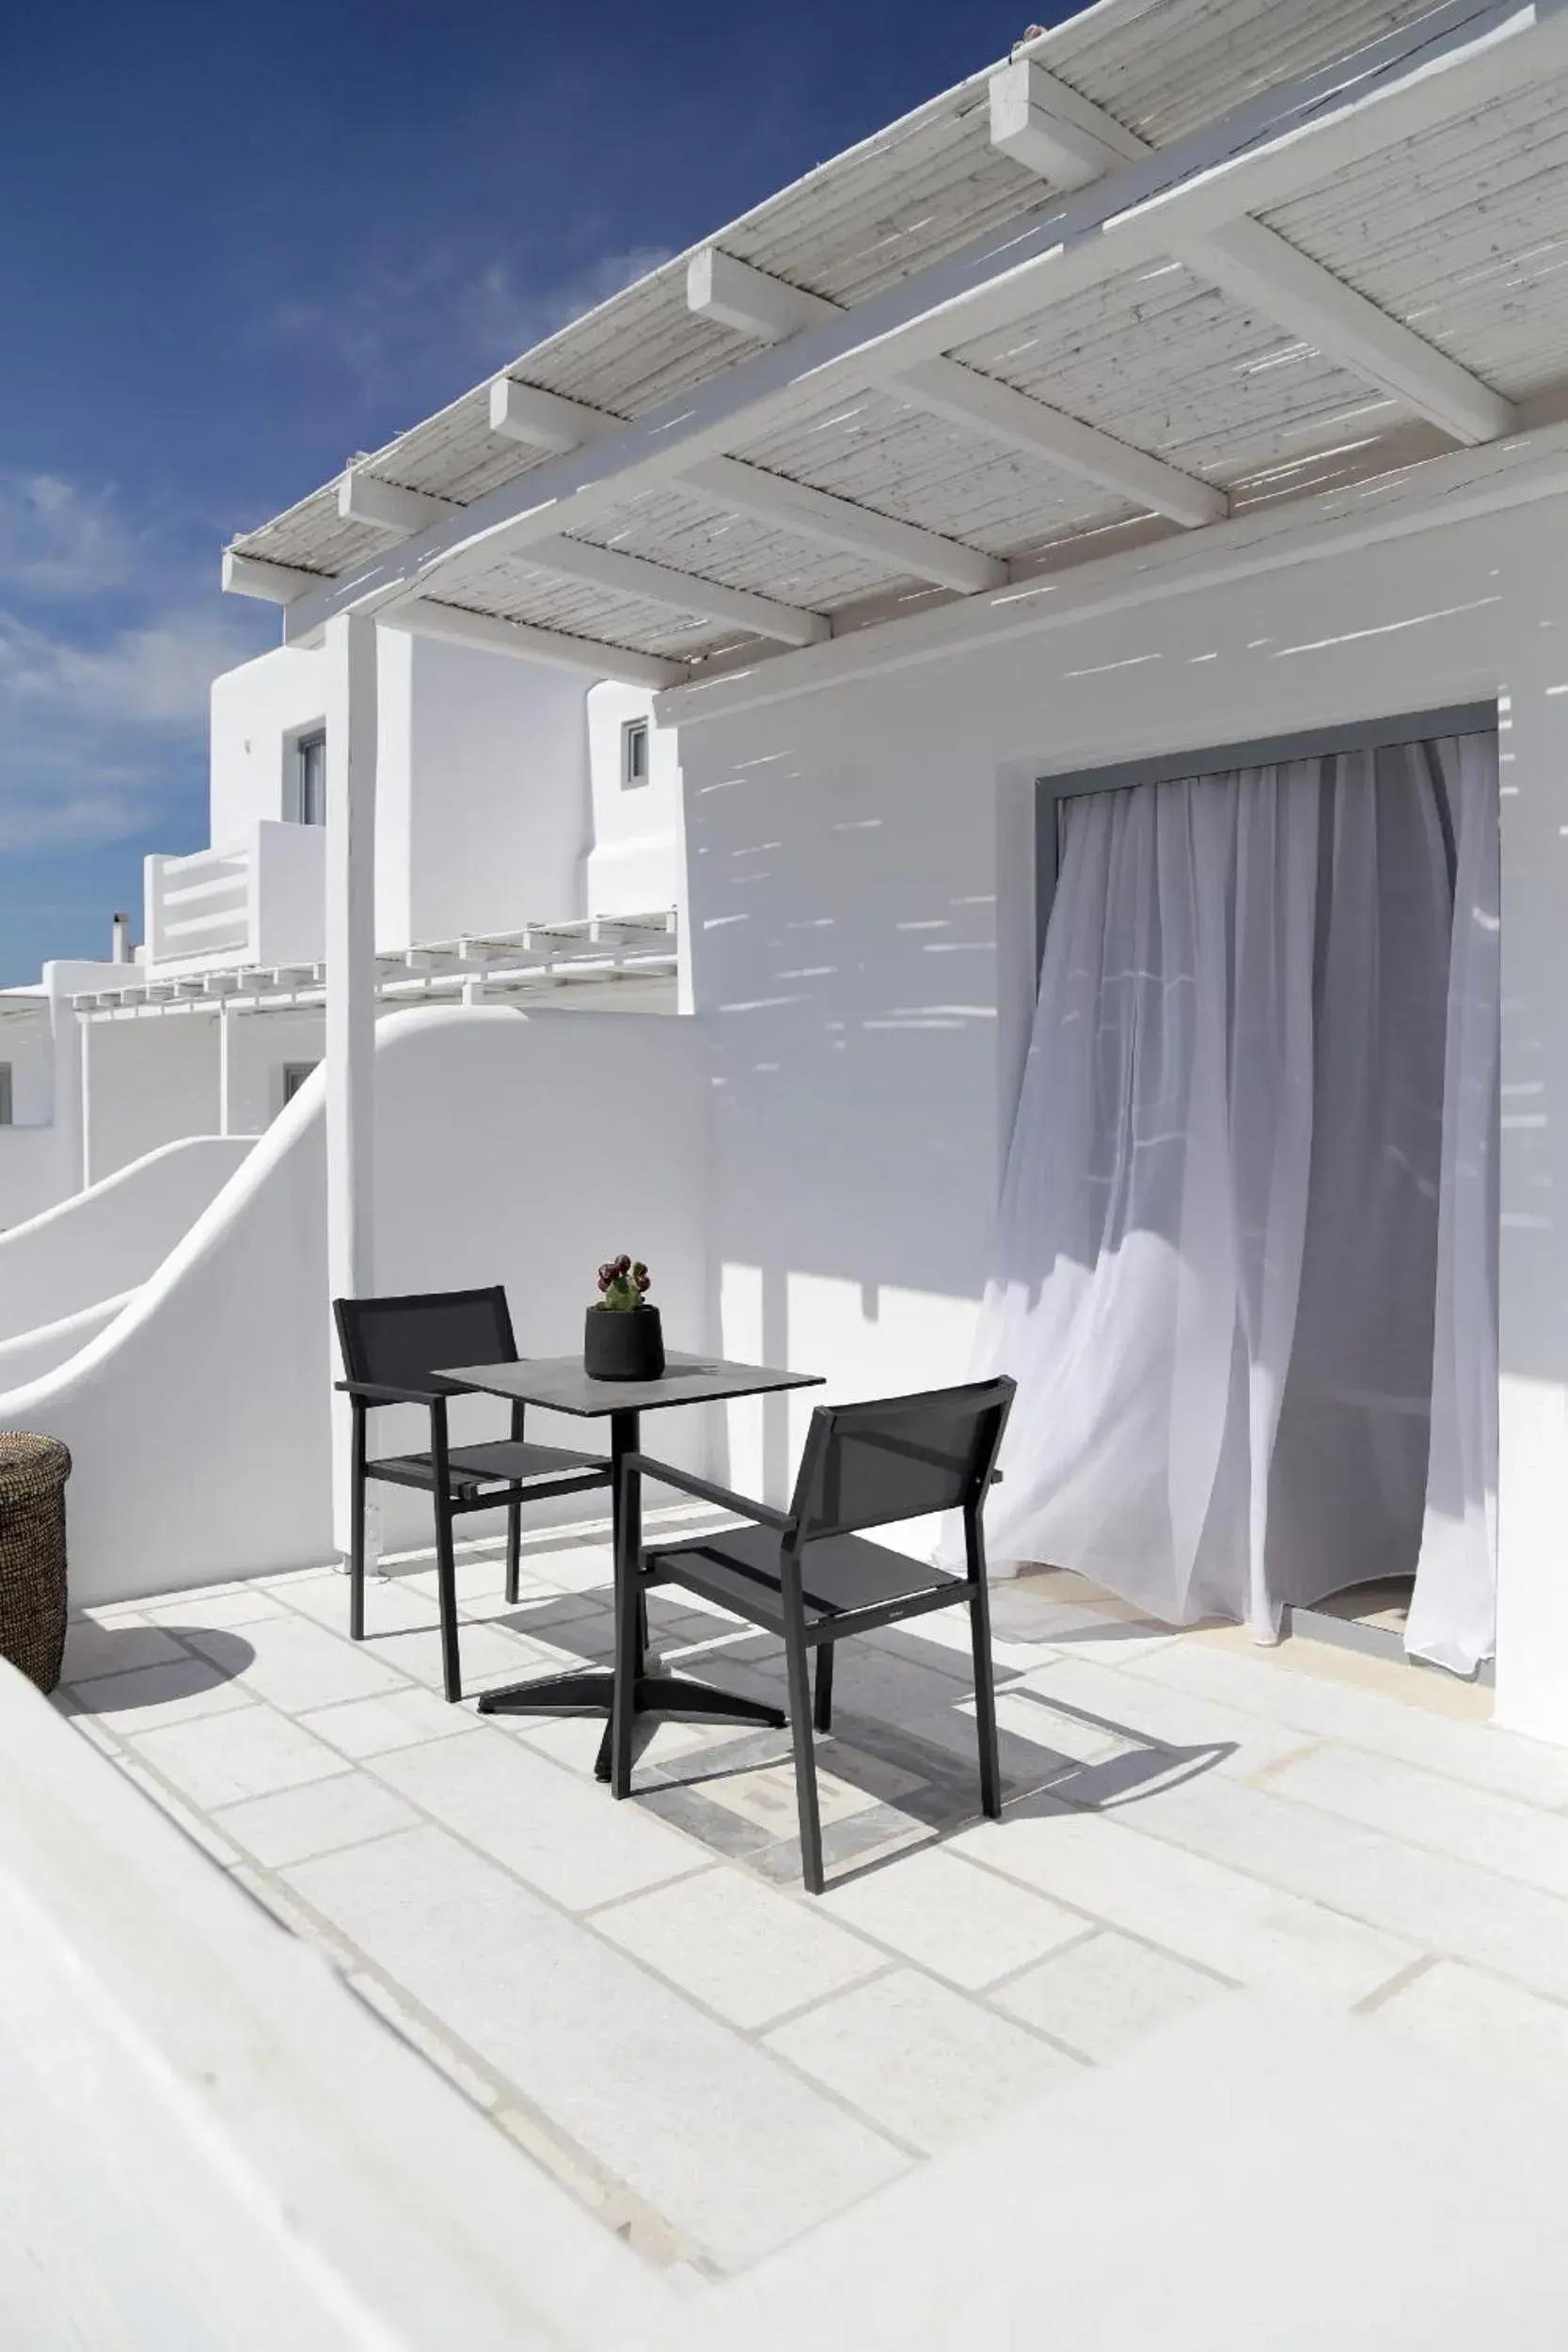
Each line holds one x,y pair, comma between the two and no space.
1462,235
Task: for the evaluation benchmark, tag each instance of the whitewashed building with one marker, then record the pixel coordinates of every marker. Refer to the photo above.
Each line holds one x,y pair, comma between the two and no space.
1092,561
522,808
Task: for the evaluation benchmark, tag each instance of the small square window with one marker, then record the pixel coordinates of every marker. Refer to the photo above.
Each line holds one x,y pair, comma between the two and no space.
6,1108
633,753
294,1075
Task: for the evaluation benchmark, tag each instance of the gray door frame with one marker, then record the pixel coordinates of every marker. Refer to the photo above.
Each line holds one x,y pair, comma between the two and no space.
1415,726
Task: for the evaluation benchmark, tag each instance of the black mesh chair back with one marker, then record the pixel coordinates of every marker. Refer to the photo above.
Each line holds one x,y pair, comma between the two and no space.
398,1343
899,1459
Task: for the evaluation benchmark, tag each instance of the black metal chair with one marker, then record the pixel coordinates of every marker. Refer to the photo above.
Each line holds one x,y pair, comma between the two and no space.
392,1348
805,1574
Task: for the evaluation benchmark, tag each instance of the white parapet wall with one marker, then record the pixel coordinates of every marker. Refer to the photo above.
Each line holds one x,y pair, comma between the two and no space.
108,1240
207,2143
512,1147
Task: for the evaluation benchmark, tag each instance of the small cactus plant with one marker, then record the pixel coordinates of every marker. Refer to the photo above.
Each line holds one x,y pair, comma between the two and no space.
623,1285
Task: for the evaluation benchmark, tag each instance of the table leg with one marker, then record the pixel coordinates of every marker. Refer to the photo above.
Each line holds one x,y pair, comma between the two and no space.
593,1688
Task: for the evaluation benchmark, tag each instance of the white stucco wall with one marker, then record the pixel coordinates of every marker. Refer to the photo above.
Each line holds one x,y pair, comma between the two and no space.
148,1082
636,862
520,1148
861,904
500,812
259,712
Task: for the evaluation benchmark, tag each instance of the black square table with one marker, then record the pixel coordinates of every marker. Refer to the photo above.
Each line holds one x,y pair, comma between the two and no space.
560,1385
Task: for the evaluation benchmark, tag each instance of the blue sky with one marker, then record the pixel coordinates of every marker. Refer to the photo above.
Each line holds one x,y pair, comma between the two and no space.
241,243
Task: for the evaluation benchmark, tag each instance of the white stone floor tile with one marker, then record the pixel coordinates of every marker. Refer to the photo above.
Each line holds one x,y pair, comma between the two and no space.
1320,1706
1455,2008
740,1948
727,2143
413,2029
964,1924
1139,1709
92,1649
486,1654
298,1665
766,1797
1188,1903
404,1718
568,1838
246,1752
196,1825
1520,1841
185,1688
1027,1713
1104,1991
918,2059
1434,1903
207,1612
297,1823
389,1606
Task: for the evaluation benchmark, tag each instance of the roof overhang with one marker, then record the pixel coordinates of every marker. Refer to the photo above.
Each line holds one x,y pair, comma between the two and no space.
705,547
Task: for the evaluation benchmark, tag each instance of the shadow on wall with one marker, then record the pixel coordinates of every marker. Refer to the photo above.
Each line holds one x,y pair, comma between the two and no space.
511,1146
843,923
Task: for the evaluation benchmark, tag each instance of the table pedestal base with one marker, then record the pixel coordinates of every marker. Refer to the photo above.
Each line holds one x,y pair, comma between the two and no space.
591,1692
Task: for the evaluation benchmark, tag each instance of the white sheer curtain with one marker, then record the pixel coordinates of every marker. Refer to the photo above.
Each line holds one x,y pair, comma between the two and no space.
1154,1207
1218,1240
1453,1614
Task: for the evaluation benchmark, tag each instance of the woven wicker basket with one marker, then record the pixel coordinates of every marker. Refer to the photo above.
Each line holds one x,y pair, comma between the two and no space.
33,1472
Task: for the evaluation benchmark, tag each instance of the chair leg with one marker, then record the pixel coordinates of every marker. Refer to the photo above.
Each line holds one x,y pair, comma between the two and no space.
357,1530
514,1552
805,1760
446,1592
985,1703
822,1714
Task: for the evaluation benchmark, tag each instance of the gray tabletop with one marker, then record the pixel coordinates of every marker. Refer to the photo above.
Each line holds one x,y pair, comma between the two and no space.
560,1383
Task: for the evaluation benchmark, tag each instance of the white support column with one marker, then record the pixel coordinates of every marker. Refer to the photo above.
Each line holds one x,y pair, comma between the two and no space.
85,1030
226,1069
351,755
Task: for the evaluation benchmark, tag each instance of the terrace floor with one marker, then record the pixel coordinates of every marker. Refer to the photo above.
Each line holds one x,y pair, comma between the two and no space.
642,1996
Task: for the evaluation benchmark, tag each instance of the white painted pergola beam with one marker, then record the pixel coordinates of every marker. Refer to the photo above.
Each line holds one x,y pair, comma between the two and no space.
730,293
817,514
659,583
522,412
1271,149
272,583
364,498
489,633
1018,420
1066,139
750,302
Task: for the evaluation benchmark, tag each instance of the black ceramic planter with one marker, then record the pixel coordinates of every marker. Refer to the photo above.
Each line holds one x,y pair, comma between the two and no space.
623,1345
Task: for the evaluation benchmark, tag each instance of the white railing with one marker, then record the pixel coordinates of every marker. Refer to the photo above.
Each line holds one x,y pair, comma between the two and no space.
261,903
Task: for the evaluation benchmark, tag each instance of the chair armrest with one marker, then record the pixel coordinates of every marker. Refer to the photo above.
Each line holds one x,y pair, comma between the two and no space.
761,1513
378,1393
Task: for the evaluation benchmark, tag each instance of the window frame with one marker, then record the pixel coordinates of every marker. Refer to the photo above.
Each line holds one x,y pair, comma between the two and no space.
635,748
302,773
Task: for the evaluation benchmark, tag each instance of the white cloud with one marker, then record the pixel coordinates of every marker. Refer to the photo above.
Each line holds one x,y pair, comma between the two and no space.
392,322
59,540
102,714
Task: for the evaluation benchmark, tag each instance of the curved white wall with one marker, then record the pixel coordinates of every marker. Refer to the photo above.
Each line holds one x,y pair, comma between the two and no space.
513,1147
107,1240
32,1353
